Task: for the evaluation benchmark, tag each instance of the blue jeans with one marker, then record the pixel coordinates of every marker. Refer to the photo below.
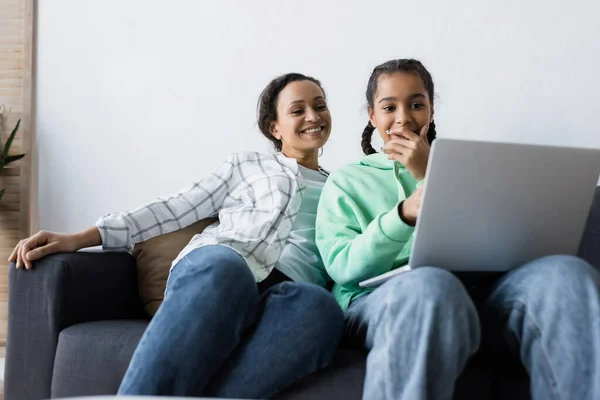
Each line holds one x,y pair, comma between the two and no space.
422,326
215,335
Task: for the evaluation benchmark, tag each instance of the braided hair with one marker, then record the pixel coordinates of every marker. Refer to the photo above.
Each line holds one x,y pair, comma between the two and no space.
401,65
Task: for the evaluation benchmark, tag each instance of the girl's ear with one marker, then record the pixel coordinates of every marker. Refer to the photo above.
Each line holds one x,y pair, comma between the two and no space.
371,116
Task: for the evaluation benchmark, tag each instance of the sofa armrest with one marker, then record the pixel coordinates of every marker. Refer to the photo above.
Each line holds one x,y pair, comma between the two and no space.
61,290
589,249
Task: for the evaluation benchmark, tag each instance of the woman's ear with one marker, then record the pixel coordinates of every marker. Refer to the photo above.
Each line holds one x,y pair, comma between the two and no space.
274,131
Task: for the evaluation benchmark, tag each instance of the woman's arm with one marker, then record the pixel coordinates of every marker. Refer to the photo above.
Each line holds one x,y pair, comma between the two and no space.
44,243
202,199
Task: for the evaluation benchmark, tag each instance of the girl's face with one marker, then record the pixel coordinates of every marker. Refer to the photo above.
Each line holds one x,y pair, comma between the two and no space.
303,119
401,101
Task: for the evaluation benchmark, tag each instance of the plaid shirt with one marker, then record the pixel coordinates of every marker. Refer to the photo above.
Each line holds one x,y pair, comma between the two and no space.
255,196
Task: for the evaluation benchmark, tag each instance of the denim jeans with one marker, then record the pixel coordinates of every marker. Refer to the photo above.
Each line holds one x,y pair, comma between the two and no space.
215,335
422,326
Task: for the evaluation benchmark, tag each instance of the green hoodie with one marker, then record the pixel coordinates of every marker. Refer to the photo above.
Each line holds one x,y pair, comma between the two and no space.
359,231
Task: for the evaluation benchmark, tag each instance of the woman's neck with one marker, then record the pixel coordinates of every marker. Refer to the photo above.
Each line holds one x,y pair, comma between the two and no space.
308,159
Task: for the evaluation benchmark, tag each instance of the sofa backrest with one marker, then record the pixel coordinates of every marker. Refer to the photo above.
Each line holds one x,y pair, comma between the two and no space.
589,249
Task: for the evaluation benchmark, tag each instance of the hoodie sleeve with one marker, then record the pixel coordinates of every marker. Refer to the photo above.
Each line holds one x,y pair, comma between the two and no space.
351,254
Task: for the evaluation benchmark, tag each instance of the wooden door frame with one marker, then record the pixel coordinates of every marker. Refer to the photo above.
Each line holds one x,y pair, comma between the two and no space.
28,206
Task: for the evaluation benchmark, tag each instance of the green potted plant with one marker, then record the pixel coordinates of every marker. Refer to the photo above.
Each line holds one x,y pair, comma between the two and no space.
5,158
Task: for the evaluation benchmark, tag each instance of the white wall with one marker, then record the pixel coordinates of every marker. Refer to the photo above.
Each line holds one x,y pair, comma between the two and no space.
135,99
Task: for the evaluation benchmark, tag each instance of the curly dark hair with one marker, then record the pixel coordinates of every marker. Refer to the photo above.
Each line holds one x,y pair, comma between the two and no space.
267,103
401,65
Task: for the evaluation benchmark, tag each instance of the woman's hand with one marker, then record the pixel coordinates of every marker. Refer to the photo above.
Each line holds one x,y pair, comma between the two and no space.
42,244
410,149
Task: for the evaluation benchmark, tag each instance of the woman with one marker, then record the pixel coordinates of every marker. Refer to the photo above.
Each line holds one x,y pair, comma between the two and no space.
215,334
422,326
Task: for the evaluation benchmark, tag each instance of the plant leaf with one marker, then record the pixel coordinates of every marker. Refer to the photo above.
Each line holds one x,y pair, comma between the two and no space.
10,139
10,159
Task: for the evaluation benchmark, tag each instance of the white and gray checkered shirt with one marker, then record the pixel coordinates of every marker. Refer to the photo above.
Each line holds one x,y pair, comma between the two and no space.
255,196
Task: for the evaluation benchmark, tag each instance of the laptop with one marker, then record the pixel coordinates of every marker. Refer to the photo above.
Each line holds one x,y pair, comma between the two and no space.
492,207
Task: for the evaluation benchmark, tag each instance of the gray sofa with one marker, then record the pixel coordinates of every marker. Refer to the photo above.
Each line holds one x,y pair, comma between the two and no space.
75,319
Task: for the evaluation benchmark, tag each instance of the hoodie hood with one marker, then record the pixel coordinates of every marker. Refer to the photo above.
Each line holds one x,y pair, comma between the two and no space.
380,161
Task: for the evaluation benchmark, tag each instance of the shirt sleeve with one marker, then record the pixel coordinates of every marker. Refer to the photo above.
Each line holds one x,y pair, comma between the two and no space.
201,199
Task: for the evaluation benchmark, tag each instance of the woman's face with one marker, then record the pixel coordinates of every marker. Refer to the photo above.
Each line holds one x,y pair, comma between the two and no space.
401,101
303,119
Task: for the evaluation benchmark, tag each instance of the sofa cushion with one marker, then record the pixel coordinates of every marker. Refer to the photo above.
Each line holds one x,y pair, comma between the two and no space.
91,358
344,379
154,258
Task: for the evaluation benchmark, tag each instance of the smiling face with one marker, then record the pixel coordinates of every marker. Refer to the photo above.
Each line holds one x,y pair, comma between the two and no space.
400,101
303,120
